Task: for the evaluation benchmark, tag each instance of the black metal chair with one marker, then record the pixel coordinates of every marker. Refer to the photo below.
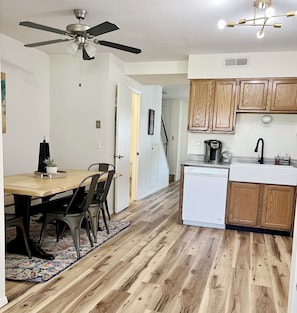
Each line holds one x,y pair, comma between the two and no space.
102,167
73,213
99,204
12,220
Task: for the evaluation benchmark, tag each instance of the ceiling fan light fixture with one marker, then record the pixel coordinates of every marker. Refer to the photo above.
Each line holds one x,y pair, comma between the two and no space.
72,47
91,50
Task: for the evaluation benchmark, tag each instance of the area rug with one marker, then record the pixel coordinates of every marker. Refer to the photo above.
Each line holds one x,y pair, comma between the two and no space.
21,268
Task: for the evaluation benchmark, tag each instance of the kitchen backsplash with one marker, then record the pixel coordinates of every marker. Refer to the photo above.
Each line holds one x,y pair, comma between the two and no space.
280,136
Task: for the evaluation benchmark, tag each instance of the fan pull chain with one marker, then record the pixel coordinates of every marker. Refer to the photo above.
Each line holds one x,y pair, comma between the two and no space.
81,72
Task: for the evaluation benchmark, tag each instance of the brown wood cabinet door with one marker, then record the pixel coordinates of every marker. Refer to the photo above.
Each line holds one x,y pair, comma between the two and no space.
224,106
283,95
278,205
243,204
200,105
253,95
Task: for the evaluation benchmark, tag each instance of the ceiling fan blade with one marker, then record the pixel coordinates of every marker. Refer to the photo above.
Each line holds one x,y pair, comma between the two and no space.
86,56
43,27
48,42
118,46
102,28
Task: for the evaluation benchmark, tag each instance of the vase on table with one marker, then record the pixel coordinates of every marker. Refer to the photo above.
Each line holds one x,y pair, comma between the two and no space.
51,169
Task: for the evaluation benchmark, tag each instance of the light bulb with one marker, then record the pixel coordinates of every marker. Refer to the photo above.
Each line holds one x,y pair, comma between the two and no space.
221,24
260,34
269,12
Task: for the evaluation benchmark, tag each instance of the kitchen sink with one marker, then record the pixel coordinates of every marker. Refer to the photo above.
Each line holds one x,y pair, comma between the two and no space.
263,173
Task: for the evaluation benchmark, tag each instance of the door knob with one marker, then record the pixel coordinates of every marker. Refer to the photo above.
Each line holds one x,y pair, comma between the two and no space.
119,156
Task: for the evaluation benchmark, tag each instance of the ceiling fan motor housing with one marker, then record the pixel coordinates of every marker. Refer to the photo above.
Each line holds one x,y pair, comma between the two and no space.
77,28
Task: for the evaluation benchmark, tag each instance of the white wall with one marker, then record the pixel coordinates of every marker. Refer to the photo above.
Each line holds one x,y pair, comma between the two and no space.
151,98
27,119
27,81
75,109
268,64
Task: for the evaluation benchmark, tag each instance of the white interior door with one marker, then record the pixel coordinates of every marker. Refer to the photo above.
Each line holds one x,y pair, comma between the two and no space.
122,147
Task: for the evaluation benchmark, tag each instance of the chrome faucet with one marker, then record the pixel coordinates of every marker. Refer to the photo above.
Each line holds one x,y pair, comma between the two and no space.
261,159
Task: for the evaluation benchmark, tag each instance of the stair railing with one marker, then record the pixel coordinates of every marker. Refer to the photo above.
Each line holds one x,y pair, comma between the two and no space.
164,136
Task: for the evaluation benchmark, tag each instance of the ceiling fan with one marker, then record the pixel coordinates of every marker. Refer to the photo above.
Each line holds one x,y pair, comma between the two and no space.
80,36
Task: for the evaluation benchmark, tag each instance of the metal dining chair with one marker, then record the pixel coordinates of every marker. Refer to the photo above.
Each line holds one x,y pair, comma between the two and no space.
102,167
99,204
73,213
12,220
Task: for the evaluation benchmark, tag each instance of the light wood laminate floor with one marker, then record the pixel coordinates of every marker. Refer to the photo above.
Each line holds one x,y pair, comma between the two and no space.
157,265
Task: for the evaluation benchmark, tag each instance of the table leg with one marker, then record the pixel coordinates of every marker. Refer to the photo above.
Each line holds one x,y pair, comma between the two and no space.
22,208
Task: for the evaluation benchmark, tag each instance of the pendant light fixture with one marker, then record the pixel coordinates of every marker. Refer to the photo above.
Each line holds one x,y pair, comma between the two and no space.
263,13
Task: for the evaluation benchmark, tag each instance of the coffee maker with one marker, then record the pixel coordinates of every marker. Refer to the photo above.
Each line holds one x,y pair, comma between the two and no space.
213,151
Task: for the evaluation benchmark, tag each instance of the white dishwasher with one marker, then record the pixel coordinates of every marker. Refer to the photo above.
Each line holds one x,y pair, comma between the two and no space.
204,196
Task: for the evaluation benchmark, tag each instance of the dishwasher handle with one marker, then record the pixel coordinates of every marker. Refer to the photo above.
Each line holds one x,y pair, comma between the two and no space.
206,171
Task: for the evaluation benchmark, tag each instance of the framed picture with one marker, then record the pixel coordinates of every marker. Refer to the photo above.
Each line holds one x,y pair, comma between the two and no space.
3,101
151,122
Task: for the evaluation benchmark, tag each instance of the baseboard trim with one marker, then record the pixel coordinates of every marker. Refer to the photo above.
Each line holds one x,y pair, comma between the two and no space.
259,230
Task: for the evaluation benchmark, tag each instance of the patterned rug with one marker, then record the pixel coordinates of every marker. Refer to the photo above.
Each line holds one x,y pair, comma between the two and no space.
20,267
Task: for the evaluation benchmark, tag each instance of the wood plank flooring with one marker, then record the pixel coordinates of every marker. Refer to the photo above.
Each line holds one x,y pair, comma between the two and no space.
157,265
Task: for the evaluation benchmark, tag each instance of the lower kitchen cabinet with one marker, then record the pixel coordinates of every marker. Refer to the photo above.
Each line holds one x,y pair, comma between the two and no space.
261,206
278,206
243,204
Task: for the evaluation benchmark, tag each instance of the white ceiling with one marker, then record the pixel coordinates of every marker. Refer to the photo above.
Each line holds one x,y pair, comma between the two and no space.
165,30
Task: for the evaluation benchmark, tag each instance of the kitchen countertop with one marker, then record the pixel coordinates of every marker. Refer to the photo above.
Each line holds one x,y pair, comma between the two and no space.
202,163
198,160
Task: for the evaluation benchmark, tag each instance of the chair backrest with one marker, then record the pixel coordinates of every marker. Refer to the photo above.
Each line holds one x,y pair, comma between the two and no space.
104,186
83,202
101,167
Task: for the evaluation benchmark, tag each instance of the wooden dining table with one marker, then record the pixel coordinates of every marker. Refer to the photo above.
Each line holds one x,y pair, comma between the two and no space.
25,186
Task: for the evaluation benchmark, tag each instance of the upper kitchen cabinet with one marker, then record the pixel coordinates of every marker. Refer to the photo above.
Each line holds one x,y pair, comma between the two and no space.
212,106
201,94
275,95
253,95
283,95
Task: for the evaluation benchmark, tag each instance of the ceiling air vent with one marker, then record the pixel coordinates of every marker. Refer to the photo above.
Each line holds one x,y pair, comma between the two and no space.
236,62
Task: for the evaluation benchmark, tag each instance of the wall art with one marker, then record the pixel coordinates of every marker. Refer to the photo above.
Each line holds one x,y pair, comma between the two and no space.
151,122
3,101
